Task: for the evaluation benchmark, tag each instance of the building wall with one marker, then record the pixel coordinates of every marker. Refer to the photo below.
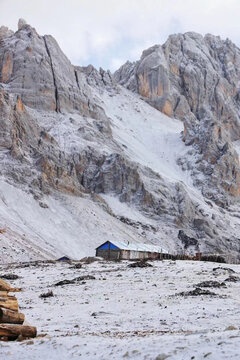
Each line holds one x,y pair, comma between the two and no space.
111,254
134,255
139,255
117,254
125,254
155,256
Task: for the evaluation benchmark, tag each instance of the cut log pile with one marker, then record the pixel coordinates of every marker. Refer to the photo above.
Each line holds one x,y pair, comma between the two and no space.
11,320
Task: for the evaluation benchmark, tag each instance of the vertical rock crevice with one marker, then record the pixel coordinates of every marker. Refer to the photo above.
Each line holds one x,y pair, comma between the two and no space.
76,77
57,108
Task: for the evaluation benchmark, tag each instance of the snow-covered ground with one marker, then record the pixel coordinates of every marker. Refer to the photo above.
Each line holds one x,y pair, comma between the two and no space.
127,313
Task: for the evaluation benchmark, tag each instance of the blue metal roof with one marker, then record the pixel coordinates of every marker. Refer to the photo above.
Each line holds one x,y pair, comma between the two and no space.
107,245
64,258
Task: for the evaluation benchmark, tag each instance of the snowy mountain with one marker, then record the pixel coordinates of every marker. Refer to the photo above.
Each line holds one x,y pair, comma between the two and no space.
88,157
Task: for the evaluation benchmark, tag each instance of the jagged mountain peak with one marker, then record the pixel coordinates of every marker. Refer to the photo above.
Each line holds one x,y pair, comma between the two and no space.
5,32
21,23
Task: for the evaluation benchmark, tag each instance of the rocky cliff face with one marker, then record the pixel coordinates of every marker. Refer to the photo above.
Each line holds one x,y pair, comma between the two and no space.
188,76
196,79
35,68
74,130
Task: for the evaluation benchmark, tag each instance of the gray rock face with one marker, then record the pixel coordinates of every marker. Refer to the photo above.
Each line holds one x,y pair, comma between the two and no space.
196,79
32,156
126,75
186,74
35,68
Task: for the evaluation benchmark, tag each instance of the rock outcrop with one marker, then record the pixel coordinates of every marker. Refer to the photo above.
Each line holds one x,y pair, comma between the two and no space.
196,79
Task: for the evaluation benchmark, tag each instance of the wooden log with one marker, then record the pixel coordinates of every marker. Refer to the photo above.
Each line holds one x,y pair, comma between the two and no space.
13,331
4,286
11,317
15,290
9,297
3,293
9,302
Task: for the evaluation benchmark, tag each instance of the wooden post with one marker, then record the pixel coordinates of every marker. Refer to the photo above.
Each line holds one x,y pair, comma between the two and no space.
12,317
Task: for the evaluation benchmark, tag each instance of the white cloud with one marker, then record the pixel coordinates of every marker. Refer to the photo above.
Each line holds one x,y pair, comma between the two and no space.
104,31
116,63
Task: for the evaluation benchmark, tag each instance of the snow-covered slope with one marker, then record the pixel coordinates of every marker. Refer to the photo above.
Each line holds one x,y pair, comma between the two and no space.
154,140
73,225
63,225
149,137
60,224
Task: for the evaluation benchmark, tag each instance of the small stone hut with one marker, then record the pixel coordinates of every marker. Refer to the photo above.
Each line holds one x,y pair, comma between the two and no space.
129,251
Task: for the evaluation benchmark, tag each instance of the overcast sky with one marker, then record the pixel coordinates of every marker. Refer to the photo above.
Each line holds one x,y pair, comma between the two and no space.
107,33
